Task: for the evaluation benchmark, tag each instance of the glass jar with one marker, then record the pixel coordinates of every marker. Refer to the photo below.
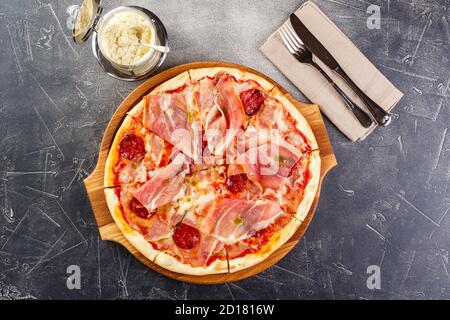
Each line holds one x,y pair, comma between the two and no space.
88,21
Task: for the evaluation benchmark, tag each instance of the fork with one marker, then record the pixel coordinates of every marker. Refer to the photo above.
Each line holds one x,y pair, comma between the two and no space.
296,47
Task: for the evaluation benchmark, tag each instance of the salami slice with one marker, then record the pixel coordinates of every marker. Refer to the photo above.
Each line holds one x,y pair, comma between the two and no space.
139,209
237,182
252,100
186,237
131,147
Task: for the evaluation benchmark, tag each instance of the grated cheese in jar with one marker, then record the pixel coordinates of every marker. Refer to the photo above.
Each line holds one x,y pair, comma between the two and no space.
121,35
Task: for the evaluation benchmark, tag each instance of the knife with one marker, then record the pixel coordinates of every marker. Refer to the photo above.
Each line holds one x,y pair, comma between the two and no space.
311,42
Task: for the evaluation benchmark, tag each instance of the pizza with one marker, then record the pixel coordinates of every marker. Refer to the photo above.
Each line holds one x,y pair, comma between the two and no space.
211,172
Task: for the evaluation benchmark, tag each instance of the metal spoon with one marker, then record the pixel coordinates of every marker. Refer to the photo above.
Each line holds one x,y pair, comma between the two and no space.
155,47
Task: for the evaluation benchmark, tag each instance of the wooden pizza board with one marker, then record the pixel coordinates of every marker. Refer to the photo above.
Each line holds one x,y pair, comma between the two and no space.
110,231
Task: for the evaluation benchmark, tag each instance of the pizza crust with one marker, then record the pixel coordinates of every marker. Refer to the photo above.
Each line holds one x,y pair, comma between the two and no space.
276,241
197,74
137,110
301,122
113,155
173,83
283,235
266,85
134,237
170,263
311,188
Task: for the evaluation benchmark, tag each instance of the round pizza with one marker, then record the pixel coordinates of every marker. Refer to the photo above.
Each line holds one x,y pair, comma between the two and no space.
211,172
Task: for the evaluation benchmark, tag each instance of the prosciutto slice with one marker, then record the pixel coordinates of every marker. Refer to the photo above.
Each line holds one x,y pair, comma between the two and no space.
155,148
208,249
267,165
164,187
232,220
228,100
215,128
267,117
215,121
167,116
206,95
156,229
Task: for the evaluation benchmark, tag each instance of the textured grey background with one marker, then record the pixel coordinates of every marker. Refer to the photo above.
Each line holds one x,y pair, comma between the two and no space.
386,203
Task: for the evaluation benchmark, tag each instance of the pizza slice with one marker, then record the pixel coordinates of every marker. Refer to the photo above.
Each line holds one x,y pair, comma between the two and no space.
143,181
226,98
295,197
134,152
190,251
280,115
249,222
169,114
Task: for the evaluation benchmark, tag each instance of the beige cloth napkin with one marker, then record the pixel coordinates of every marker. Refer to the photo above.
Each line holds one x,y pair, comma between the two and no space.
316,87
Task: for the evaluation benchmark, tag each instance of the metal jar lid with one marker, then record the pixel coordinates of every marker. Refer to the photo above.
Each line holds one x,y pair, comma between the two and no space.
86,19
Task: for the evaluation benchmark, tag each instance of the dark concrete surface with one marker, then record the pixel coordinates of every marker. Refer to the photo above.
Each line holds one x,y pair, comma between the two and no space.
386,203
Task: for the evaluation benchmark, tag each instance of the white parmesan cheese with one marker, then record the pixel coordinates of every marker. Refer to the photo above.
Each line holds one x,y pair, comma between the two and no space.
121,35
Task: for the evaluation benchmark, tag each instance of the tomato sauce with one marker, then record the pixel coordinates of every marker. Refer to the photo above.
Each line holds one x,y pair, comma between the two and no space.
262,237
177,90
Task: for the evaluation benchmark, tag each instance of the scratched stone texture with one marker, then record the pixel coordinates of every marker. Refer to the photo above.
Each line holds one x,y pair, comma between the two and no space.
385,204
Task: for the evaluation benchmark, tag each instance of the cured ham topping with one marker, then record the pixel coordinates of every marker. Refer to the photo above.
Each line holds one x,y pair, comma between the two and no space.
236,182
269,164
267,117
252,100
131,147
257,240
185,236
215,126
228,100
139,209
117,171
206,94
168,117
206,250
155,229
166,186
155,146
235,219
